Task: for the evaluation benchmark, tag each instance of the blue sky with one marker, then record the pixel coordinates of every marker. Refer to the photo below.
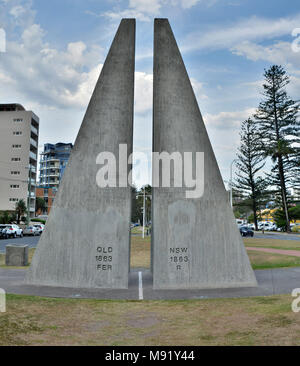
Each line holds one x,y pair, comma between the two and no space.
55,50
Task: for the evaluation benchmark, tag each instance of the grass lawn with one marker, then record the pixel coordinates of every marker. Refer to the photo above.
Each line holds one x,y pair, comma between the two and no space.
138,230
251,321
247,321
140,252
260,260
273,243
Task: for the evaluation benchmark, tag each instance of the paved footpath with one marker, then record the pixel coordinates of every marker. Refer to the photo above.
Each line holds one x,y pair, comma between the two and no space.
294,253
270,282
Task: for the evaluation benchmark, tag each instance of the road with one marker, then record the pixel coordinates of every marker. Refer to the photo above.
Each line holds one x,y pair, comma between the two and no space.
276,236
31,241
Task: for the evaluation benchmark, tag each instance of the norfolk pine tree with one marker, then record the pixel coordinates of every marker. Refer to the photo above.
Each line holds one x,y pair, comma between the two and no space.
277,119
250,162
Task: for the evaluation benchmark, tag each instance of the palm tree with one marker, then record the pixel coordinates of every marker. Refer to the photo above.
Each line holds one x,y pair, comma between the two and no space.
20,209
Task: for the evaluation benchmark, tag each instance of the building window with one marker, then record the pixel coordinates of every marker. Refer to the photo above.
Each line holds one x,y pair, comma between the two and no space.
15,159
15,173
16,146
17,133
14,186
18,119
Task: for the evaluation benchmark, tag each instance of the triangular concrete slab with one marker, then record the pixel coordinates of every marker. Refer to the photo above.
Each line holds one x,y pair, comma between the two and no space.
86,240
196,242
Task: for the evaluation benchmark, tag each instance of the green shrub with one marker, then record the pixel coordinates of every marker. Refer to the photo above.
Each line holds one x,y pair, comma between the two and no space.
39,220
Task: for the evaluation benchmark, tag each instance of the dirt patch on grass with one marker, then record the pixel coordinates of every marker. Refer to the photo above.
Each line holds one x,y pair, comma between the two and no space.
142,320
252,321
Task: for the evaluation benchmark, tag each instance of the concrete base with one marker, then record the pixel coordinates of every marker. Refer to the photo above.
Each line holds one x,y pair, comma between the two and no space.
16,255
270,282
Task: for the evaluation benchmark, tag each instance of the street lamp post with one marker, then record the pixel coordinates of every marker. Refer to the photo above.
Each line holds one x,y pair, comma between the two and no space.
29,195
230,182
144,209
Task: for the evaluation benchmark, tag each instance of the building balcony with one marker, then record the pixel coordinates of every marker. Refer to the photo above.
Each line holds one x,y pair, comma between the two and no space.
33,155
33,142
34,130
45,161
49,183
49,167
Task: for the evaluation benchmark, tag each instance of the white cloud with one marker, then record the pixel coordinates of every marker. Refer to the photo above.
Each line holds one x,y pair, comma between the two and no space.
278,53
59,79
145,10
48,76
143,92
17,11
253,29
223,129
145,6
228,120
198,89
187,4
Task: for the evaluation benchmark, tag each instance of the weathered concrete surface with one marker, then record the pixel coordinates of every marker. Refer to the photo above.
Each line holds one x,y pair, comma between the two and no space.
88,221
202,230
16,255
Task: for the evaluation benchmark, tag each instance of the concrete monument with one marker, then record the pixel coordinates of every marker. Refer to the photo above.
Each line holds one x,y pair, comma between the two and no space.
86,240
195,241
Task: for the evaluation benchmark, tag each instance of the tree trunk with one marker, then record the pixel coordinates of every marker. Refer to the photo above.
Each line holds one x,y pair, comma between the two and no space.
283,194
280,165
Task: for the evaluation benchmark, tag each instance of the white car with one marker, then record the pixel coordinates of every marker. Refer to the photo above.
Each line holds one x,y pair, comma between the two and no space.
40,228
272,227
265,226
13,231
31,230
240,223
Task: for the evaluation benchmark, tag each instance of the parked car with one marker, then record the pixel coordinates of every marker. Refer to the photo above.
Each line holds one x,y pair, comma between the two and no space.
31,230
40,228
12,231
251,226
3,234
272,227
239,222
245,231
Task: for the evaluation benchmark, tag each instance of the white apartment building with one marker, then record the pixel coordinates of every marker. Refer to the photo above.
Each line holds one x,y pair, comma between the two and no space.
19,133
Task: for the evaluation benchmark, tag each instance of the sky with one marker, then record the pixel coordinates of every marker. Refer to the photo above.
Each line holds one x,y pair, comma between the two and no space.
55,50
